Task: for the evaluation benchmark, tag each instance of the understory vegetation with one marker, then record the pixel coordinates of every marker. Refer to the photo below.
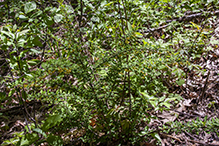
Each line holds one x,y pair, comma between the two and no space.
101,72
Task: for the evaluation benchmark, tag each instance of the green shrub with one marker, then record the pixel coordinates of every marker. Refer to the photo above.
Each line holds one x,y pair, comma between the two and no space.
95,64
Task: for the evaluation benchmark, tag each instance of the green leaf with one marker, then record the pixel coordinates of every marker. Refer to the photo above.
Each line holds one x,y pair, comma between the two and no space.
95,19
20,34
209,48
156,135
9,34
138,34
21,43
49,21
54,140
35,51
2,95
69,9
162,67
129,26
33,62
168,105
38,13
180,82
214,42
22,17
153,103
40,131
10,141
51,121
28,139
165,1
29,6
23,32
36,42
11,92
24,95
58,18
162,98
15,27
29,75
109,4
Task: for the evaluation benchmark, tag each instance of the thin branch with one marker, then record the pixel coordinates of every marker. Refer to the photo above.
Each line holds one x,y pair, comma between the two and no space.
182,19
204,88
80,19
170,136
203,143
121,18
189,134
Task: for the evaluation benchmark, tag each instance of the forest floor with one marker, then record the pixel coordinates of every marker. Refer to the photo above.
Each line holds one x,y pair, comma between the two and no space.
200,103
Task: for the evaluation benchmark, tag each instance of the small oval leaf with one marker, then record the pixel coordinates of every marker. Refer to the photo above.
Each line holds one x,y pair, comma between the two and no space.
30,6
58,18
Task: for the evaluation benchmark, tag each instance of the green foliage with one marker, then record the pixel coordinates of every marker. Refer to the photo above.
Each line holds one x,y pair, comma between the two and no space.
51,121
35,137
29,6
194,126
97,66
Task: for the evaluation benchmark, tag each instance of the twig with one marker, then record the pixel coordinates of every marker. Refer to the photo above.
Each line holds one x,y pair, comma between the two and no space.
170,136
203,143
189,134
181,19
80,18
120,13
188,114
204,88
